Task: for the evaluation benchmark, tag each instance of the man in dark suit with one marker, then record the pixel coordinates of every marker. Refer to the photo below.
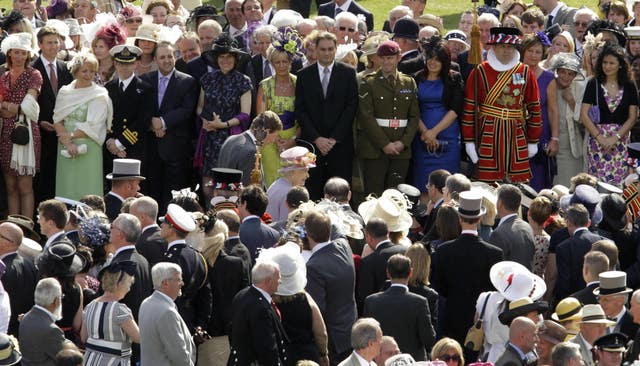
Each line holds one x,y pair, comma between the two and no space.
595,262
486,21
52,218
125,182
406,32
472,257
613,294
133,106
372,271
326,105
435,185
233,246
338,190
522,340
403,315
40,338
253,233
634,308
333,8
169,148
570,253
150,244
55,75
194,304
20,274
331,281
257,335
513,235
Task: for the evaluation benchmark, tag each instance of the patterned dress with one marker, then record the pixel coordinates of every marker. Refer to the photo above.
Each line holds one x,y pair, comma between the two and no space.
222,94
283,107
15,93
541,245
107,343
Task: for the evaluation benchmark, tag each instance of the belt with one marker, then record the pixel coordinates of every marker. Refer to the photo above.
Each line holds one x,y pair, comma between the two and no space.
110,347
502,113
392,123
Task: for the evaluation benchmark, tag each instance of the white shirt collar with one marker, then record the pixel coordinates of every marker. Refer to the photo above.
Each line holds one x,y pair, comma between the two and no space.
53,317
127,81
253,137
116,195
250,217
168,76
149,227
46,63
408,52
264,293
266,15
579,229
319,246
361,360
166,297
619,316
506,218
470,232
588,346
556,9
345,6
321,69
384,241
438,202
121,249
233,237
233,31
52,238
400,285
179,241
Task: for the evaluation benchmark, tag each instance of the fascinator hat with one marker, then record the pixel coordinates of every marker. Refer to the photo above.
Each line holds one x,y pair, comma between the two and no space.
17,41
288,40
567,61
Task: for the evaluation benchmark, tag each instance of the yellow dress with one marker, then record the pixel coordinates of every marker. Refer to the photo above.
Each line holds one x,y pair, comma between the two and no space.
283,107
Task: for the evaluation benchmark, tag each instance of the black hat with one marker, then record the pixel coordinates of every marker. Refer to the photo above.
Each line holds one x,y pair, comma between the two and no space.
60,259
612,342
228,179
598,26
553,31
488,9
505,35
8,350
522,307
406,28
224,43
206,11
527,193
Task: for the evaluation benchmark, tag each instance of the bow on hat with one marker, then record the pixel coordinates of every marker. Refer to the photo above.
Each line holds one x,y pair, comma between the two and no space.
128,267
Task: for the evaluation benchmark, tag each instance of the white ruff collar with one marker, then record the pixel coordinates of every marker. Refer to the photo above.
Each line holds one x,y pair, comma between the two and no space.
499,66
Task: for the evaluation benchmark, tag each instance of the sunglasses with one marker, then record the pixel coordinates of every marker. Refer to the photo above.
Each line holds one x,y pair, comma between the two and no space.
447,358
581,24
134,20
342,29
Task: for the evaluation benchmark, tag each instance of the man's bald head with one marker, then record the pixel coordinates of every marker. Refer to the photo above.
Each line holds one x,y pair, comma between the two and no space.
522,333
10,237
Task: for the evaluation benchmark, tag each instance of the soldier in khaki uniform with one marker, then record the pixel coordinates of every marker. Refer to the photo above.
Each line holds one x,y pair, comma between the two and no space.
388,116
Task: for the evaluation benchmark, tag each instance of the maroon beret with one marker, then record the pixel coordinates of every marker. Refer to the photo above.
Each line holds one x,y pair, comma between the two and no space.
388,48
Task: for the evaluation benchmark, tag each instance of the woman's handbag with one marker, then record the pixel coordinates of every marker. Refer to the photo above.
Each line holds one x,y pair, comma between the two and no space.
20,133
475,335
594,110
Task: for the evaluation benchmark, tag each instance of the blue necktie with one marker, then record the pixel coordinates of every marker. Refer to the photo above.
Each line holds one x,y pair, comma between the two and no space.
162,87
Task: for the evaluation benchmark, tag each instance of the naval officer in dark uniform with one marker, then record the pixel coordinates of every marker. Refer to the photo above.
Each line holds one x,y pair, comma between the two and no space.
388,116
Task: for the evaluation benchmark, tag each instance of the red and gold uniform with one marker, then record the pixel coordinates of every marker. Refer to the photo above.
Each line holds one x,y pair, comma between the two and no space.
508,119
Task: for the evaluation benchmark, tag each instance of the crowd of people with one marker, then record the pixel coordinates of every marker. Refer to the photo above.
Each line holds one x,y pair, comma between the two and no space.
254,186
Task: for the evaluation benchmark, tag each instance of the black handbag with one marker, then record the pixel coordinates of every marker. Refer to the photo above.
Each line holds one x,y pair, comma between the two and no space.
20,133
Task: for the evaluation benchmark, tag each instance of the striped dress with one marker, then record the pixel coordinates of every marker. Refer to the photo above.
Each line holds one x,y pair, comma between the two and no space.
107,343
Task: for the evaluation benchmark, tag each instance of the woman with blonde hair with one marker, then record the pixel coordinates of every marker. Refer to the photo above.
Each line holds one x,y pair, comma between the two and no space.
449,351
419,278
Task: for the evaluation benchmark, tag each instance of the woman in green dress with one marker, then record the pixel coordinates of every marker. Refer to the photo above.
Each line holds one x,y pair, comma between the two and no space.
277,94
82,116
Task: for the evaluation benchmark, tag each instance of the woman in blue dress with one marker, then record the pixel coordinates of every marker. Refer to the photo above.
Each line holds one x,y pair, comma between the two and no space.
440,93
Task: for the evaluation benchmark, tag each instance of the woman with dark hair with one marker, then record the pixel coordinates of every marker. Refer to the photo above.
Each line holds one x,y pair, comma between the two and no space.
106,37
440,94
543,165
224,104
147,39
609,111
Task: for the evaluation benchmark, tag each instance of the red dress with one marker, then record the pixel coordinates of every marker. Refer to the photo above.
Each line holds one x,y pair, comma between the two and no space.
509,119
29,79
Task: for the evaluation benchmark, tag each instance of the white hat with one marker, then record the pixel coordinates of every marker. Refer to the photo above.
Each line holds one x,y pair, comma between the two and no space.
17,41
293,269
514,281
29,248
148,32
180,219
593,313
458,36
295,158
74,26
392,207
63,30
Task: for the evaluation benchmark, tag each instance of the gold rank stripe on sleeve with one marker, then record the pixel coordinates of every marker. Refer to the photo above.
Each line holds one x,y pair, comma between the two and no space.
131,136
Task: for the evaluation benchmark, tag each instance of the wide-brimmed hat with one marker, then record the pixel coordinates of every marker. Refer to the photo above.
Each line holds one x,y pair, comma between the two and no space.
147,32
470,205
125,169
59,260
609,26
406,28
370,45
614,209
9,355
552,332
293,270
392,207
224,43
587,196
505,35
612,283
527,194
180,219
25,223
568,61
430,20
567,309
457,36
29,248
612,342
593,314
514,281
296,158
17,41
521,307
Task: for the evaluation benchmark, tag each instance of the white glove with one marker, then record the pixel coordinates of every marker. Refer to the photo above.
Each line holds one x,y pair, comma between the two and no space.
470,148
533,150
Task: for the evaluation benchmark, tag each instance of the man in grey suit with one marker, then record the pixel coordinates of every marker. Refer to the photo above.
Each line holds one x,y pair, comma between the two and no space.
366,338
238,151
556,12
593,325
165,338
40,338
513,235
331,282
523,336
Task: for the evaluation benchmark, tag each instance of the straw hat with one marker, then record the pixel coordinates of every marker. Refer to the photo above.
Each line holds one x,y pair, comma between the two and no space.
148,32
522,307
9,355
514,281
293,270
567,309
593,314
392,207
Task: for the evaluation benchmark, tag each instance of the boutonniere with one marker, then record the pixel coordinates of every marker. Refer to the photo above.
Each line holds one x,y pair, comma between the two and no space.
139,91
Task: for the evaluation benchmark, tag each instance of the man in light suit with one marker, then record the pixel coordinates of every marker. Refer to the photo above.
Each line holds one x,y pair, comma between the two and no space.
165,338
409,323
557,12
331,281
257,335
523,336
333,8
326,111
150,244
238,151
40,338
255,234
513,235
55,75
592,326
169,142
366,338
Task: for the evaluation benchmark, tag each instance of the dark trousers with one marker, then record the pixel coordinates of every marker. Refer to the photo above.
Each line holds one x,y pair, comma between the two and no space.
301,6
338,163
45,181
380,174
163,176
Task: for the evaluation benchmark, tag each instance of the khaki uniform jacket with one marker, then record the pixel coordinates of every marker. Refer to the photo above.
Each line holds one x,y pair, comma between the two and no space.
380,99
